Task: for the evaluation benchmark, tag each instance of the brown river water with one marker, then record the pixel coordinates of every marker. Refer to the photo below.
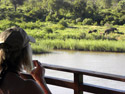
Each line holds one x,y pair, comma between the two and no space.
113,63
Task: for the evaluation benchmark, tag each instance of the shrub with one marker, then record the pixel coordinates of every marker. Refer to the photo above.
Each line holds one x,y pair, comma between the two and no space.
48,30
7,24
109,25
122,19
102,22
109,18
62,27
49,18
74,21
29,25
82,35
78,20
87,21
36,14
95,23
63,23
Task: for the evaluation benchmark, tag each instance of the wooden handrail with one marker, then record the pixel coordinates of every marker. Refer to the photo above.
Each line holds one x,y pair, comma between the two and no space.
82,87
85,72
78,85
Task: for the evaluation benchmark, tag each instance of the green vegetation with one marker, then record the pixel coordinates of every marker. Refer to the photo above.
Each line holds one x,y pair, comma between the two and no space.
64,24
89,12
50,36
85,45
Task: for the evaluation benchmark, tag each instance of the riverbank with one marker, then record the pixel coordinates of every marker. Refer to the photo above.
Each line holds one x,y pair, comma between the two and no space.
81,45
76,37
50,36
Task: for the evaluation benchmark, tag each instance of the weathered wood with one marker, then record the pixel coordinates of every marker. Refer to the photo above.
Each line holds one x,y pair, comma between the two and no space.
60,82
78,79
85,72
77,85
99,89
82,87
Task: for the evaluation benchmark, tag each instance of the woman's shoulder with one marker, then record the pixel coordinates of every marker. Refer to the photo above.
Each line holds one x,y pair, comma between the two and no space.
17,85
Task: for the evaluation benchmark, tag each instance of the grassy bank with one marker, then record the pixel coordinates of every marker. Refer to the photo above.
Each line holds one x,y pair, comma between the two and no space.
83,45
68,36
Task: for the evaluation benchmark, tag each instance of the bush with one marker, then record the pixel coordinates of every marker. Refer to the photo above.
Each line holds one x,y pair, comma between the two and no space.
108,18
48,30
29,25
122,19
7,24
36,14
73,21
49,18
63,23
95,23
101,22
78,20
62,27
87,21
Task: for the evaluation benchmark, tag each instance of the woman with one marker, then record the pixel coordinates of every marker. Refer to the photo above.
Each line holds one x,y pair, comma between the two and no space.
15,56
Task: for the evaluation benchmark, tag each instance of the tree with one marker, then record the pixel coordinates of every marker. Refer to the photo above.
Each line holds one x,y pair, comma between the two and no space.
107,3
115,2
35,3
55,5
17,3
79,8
91,8
121,6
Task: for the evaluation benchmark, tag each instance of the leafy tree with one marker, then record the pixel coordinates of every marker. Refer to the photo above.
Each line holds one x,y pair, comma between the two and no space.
87,21
55,5
91,9
121,6
16,3
115,2
107,3
79,8
67,6
35,3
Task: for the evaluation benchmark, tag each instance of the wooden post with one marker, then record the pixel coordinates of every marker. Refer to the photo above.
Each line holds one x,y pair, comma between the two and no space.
78,79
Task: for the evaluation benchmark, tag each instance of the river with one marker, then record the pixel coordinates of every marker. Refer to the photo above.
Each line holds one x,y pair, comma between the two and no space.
113,63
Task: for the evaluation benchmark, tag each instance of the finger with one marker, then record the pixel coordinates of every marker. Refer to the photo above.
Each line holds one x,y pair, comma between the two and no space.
35,63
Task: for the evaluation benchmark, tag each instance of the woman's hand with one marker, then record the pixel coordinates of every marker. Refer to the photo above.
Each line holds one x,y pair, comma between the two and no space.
38,72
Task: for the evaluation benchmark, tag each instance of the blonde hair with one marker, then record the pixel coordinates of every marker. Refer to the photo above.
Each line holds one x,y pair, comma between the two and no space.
16,60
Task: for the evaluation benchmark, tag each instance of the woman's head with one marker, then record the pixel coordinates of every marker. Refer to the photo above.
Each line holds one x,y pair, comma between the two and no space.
15,51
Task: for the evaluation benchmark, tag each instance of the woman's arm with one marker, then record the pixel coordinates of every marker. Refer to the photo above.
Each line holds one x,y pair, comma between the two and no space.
38,74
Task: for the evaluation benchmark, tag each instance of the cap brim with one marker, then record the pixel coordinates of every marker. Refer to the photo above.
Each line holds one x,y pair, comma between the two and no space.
32,39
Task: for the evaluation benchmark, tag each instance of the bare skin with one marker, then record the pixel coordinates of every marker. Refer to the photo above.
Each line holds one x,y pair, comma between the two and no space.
14,84
38,74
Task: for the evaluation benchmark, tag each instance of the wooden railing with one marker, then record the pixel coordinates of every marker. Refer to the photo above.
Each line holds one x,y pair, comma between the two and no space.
78,85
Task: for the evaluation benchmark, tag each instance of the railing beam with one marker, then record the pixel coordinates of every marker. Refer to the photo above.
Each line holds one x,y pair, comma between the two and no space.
77,85
60,82
85,72
78,79
100,89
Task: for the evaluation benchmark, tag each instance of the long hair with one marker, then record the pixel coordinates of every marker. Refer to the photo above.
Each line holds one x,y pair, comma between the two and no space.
15,60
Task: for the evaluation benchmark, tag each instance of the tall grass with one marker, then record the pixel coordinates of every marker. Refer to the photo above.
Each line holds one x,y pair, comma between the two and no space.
84,45
73,37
